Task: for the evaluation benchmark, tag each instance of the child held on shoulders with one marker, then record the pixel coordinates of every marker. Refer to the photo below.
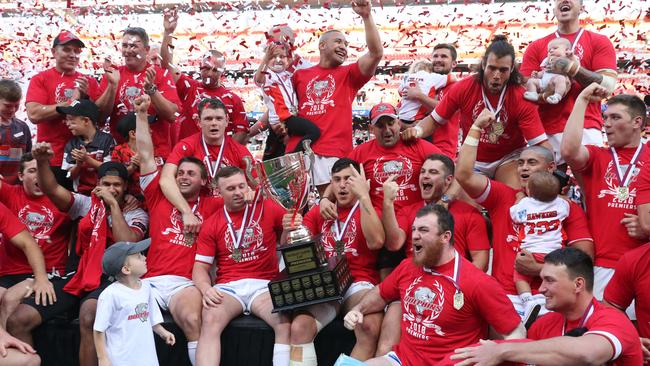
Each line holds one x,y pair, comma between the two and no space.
420,83
552,86
280,98
127,310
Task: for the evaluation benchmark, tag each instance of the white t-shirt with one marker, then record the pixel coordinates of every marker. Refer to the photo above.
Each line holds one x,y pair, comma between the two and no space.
126,316
539,224
428,82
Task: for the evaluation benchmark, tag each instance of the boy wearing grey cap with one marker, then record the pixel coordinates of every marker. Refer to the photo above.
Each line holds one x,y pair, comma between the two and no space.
127,311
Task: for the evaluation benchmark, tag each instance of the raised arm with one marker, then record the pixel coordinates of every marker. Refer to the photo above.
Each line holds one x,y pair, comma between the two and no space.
371,225
369,61
395,236
61,197
143,135
165,108
170,21
571,148
473,183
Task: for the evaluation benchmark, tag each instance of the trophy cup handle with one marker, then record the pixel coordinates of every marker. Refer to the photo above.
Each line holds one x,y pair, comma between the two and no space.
249,171
306,145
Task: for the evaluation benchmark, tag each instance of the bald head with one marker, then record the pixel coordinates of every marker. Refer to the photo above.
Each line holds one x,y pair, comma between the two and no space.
543,153
329,34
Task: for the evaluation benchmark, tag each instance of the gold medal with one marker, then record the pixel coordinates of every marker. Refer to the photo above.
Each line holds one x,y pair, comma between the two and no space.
188,239
236,254
459,300
622,193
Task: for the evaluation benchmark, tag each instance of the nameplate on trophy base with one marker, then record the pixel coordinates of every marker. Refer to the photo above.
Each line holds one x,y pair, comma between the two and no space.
303,256
326,283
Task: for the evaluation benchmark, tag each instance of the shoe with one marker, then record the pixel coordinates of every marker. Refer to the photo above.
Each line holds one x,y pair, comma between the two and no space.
532,311
553,99
532,96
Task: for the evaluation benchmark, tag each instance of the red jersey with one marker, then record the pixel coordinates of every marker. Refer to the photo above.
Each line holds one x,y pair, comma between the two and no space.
255,257
128,89
169,253
518,119
52,87
49,227
601,320
192,92
233,154
361,260
431,326
602,197
497,198
470,230
325,97
403,160
595,53
631,281
445,137
10,226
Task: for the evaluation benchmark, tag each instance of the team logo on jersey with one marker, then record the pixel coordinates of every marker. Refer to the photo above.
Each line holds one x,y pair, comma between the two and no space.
63,94
496,131
128,93
399,165
252,244
319,95
521,215
329,241
176,232
616,198
421,306
141,312
39,222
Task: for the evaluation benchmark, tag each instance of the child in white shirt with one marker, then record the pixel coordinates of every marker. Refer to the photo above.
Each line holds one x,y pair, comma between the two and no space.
422,77
127,311
553,86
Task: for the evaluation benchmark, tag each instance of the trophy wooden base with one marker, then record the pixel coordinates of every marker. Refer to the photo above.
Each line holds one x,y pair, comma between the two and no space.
323,284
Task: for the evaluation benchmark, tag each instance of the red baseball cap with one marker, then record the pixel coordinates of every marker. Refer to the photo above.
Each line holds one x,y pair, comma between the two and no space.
382,110
66,37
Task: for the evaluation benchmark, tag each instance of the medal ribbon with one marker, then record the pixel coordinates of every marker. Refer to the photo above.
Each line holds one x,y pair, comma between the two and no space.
236,237
488,105
588,312
454,280
338,231
212,170
575,41
625,177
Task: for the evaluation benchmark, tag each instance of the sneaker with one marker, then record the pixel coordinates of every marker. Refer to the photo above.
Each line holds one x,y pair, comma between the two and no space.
532,311
553,99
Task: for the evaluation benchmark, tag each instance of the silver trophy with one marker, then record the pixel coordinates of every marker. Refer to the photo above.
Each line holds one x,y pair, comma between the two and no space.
287,180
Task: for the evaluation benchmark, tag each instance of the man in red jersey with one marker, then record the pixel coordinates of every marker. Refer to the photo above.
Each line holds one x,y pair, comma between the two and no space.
445,137
579,331
470,231
49,227
210,85
213,147
326,92
497,89
356,232
631,283
102,222
59,87
498,197
609,177
597,63
137,77
446,302
171,254
240,240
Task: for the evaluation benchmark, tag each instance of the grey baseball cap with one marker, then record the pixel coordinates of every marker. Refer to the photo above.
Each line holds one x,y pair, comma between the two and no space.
115,255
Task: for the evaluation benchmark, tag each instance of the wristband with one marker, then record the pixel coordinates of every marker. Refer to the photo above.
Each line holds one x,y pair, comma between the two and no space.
471,141
418,131
476,128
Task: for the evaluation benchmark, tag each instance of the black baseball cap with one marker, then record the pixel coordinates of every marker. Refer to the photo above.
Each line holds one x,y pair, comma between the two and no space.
112,168
127,123
115,255
83,107
66,37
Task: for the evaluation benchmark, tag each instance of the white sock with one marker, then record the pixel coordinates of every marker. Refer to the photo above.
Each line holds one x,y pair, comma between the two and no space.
191,351
526,296
281,354
530,95
308,355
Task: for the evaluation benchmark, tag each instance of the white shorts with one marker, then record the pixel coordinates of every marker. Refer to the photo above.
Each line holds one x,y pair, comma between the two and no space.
322,169
245,291
165,287
490,169
590,136
356,287
602,276
392,358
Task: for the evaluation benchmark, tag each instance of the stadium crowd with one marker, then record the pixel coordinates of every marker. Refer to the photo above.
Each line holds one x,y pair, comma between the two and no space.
500,217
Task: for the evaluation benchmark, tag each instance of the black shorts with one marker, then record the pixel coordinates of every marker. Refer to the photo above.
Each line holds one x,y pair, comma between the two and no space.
66,305
11,280
388,259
